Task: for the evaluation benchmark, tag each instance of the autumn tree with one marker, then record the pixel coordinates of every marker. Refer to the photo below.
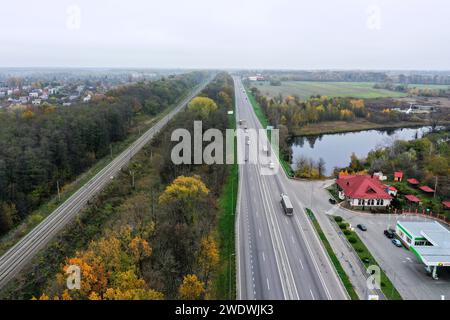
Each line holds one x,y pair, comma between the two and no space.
203,106
184,193
208,258
191,288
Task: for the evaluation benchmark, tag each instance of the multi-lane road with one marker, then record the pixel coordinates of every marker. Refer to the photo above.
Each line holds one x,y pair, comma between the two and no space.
278,256
21,253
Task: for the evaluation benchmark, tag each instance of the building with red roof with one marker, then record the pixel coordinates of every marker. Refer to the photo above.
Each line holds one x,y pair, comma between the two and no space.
412,198
363,191
413,181
426,189
446,204
398,175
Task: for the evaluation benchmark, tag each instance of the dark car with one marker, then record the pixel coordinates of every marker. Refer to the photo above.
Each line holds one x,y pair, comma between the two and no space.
332,201
361,227
389,234
397,243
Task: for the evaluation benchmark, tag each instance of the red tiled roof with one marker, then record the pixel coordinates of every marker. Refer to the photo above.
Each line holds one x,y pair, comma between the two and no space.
413,181
362,187
398,174
426,189
412,198
446,204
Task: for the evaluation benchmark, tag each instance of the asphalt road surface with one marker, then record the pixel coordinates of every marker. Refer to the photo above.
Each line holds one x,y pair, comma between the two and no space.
278,256
21,253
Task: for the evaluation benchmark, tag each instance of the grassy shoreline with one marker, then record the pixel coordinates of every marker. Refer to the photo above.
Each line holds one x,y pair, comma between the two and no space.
332,127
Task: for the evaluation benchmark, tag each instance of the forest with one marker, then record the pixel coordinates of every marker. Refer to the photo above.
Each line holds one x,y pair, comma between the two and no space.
152,237
43,146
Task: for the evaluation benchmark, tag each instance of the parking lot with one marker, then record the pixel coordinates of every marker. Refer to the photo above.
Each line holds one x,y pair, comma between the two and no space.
401,265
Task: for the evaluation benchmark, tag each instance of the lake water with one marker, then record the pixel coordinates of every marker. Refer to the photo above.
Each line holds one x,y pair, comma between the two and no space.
337,148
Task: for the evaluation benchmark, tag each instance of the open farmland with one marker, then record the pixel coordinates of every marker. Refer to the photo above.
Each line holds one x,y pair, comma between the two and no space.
305,89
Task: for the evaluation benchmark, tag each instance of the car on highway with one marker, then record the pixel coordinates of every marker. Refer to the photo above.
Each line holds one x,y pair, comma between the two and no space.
397,243
361,227
389,234
247,140
271,165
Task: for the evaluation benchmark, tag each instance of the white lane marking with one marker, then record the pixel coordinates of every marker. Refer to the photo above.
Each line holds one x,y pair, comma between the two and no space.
293,240
259,230
301,263
264,256
312,295
268,286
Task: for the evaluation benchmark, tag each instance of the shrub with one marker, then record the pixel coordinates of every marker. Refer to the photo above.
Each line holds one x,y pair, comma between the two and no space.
347,232
352,240
343,226
338,219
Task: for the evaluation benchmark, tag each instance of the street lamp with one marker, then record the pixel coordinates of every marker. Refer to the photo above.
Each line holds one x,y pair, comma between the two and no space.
229,276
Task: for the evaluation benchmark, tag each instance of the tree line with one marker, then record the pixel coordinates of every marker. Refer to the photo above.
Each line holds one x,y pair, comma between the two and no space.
42,146
160,241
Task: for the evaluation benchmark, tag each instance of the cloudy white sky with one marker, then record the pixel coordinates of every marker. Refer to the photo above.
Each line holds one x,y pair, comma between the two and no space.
338,34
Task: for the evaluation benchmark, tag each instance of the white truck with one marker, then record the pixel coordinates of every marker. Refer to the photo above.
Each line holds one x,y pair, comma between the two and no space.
287,205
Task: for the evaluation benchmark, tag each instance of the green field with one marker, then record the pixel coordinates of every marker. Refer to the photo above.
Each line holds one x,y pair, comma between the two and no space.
305,89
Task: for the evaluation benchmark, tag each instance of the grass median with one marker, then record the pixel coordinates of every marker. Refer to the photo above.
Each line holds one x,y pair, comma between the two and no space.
337,265
226,277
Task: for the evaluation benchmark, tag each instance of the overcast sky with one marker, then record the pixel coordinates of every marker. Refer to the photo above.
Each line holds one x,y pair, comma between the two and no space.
318,34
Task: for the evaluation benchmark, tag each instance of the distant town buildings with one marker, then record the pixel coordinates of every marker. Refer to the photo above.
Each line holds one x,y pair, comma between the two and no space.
258,77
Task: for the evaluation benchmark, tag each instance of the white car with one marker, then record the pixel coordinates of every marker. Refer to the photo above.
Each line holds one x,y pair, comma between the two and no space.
272,165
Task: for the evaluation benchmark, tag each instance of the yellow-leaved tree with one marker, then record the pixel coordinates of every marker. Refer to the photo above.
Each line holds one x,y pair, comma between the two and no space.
203,106
191,288
184,195
208,258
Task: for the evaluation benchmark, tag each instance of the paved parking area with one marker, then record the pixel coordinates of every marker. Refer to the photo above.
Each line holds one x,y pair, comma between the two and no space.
401,265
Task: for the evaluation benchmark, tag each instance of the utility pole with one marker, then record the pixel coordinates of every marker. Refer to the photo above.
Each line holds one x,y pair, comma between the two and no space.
132,178
153,208
435,186
59,193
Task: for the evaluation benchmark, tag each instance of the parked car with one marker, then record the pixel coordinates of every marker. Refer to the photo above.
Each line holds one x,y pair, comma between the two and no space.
397,243
272,165
332,201
361,227
389,234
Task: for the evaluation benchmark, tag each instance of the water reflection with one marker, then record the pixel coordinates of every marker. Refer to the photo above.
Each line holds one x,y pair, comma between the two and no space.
337,148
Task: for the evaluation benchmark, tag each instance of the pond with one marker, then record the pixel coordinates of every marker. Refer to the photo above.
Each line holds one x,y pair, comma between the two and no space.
337,148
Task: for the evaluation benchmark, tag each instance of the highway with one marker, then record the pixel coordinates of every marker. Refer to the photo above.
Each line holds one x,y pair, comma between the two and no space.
278,257
22,252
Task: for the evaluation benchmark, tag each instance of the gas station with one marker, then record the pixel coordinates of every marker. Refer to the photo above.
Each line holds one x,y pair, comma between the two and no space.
430,242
